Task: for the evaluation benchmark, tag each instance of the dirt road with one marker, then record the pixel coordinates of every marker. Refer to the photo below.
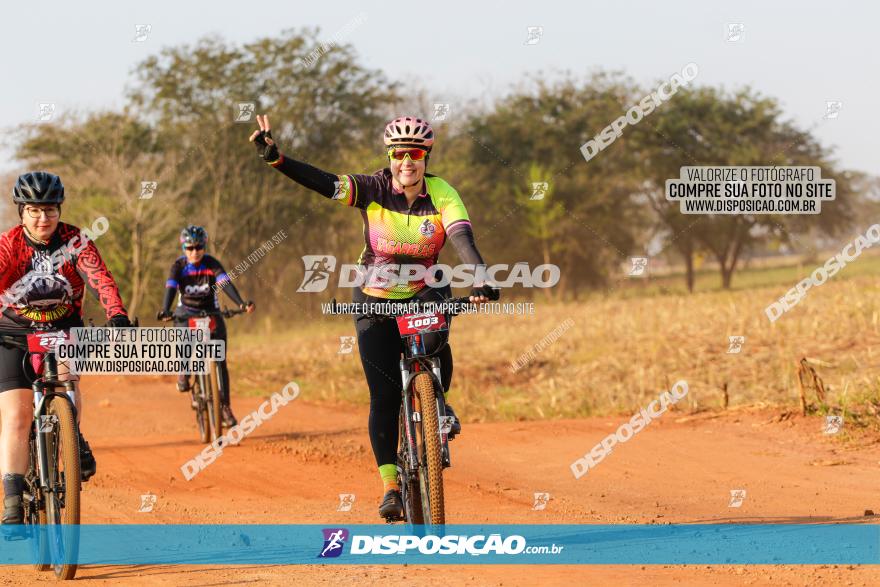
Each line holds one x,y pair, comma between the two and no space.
680,469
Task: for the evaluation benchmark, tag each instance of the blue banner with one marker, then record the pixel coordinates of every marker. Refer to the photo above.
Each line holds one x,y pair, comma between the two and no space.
455,544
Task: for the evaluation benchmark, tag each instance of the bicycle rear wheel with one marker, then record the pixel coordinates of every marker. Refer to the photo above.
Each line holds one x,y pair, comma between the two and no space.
62,501
41,543
430,452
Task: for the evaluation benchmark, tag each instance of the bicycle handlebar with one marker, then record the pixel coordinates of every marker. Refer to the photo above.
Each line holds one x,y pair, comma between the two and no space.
418,306
226,313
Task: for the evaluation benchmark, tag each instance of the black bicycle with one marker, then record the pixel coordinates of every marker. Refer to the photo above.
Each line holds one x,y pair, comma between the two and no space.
423,446
207,388
52,481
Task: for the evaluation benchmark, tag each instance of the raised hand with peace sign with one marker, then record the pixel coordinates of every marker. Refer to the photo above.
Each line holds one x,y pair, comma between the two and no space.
267,149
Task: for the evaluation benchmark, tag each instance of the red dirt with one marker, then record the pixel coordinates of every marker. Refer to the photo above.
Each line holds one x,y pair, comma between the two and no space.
291,470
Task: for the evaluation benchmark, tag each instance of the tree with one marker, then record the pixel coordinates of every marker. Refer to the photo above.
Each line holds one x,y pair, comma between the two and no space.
104,161
542,216
594,219
179,129
706,126
324,111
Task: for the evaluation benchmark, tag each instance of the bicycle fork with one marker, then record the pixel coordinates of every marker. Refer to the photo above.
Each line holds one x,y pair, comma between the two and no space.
412,417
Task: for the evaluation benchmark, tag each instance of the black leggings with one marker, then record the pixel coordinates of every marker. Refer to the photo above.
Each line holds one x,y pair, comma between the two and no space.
16,371
380,348
181,320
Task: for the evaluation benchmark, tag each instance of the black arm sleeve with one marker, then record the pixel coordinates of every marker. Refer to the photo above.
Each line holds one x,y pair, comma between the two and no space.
463,241
306,175
170,287
168,299
231,291
226,283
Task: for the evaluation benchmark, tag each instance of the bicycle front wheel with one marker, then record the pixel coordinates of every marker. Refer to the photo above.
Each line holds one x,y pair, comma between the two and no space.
202,418
430,455
409,489
63,497
213,390
35,510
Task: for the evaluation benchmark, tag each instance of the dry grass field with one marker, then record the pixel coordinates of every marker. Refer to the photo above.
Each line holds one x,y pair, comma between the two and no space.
621,350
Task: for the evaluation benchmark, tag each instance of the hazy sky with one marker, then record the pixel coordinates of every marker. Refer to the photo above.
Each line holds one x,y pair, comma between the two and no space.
80,55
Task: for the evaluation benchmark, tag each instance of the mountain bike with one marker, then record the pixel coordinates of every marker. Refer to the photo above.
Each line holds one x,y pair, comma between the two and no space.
423,445
52,482
207,387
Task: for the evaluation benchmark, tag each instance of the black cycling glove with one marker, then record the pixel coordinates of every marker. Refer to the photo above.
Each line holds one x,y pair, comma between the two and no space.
489,291
119,321
267,149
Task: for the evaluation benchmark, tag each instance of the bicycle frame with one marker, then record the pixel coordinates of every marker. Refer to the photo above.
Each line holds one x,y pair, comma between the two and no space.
416,361
207,324
410,367
46,492
44,388
203,388
205,393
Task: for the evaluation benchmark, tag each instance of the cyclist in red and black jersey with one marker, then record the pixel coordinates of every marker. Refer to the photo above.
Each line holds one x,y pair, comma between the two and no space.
45,267
197,276
408,216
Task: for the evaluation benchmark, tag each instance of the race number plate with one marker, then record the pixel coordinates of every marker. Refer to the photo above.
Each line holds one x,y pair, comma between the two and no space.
419,323
41,342
203,323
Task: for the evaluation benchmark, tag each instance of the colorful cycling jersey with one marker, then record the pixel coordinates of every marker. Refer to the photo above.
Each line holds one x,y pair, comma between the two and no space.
395,233
41,285
198,284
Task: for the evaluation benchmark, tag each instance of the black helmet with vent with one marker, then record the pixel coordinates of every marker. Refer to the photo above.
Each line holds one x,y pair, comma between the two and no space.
38,187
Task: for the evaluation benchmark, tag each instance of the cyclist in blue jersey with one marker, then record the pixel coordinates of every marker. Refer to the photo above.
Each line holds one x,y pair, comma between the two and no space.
196,276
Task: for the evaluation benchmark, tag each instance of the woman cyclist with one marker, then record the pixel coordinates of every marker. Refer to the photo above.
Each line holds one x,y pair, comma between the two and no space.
408,216
197,276
45,265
